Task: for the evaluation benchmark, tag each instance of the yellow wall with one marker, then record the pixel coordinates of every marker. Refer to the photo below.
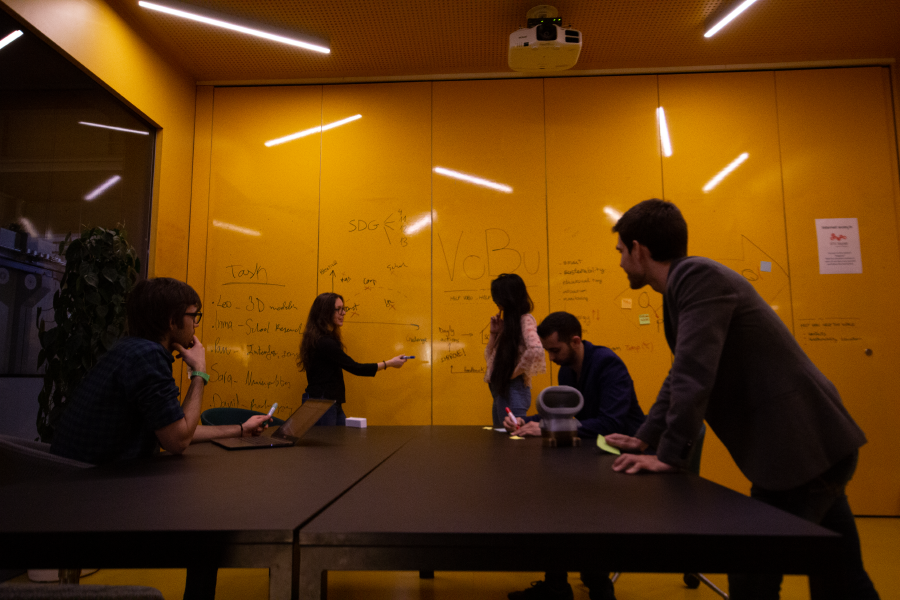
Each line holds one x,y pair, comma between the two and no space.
331,211
98,39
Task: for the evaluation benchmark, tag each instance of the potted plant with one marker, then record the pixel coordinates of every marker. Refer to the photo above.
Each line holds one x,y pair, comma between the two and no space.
88,313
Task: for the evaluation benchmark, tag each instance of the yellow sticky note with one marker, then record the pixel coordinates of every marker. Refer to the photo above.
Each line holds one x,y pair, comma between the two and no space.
516,437
488,428
626,302
601,443
644,319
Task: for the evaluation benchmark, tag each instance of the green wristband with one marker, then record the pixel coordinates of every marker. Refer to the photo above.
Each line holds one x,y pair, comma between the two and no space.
200,374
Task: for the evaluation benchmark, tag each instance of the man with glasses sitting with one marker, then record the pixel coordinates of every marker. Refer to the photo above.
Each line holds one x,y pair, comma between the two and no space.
127,405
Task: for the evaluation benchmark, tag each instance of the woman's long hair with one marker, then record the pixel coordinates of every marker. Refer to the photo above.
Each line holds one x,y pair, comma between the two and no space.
510,294
319,324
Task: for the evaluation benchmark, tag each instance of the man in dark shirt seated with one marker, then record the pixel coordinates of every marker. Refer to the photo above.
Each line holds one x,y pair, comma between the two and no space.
127,405
610,406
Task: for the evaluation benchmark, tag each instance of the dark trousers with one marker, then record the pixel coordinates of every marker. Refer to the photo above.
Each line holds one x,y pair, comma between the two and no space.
598,583
823,501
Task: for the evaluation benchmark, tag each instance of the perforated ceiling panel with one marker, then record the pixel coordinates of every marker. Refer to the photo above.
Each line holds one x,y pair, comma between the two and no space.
393,38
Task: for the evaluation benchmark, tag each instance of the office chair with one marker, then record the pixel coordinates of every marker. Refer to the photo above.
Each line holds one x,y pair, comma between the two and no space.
693,580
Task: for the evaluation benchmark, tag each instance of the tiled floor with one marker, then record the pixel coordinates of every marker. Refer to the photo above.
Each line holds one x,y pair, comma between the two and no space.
881,552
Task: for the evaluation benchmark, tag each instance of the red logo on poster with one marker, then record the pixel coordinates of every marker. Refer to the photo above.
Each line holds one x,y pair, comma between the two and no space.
837,237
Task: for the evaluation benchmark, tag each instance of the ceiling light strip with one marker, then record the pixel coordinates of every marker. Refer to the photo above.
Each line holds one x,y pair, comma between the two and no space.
728,18
10,38
114,128
474,180
724,172
311,130
233,27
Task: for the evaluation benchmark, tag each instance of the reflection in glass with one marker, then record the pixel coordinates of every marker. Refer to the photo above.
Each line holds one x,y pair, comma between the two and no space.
663,131
235,228
724,172
474,180
96,192
113,128
316,47
311,130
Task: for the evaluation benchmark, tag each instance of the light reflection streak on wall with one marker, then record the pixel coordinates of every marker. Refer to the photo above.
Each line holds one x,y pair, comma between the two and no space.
103,187
473,180
235,228
311,130
418,225
664,131
728,18
612,213
114,128
724,172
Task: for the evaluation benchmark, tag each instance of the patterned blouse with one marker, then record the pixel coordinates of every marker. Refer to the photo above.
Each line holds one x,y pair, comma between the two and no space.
531,353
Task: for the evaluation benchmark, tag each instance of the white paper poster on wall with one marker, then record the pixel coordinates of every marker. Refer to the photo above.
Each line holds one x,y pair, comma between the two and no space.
838,246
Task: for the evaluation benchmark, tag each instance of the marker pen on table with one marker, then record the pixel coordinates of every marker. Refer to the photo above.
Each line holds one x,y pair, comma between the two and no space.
513,417
272,410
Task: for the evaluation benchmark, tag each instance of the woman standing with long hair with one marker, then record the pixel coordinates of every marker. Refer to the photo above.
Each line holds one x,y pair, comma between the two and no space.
514,352
323,358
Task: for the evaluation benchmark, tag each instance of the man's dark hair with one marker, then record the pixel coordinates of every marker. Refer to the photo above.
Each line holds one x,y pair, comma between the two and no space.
155,303
565,325
656,224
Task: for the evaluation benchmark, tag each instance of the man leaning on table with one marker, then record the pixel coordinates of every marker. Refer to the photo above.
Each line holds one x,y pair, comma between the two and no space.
127,405
610,405
737,366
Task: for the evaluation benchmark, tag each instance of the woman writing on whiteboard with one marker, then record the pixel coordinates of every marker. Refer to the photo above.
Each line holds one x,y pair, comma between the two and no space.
323,358
514,352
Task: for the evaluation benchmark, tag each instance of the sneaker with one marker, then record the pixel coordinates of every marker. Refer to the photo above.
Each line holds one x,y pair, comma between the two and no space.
541,590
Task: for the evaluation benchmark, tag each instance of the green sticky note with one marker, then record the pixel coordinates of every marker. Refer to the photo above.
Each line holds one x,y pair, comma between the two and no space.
644,319
601,443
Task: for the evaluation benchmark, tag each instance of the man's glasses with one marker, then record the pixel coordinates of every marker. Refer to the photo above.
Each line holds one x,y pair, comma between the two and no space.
197,316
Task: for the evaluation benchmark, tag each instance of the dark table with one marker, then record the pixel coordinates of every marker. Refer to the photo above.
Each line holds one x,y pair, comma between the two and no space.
208,507
461,498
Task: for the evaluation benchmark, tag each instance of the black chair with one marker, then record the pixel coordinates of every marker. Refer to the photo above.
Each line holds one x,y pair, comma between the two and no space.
693,580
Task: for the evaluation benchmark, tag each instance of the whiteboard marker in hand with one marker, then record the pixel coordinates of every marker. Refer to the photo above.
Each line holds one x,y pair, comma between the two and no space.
513,417
272,410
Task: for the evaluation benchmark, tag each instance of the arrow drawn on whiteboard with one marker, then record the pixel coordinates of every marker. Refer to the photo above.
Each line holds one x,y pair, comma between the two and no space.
381,323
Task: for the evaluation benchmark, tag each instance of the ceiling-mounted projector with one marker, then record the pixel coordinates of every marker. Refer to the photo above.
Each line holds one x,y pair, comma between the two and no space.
545,45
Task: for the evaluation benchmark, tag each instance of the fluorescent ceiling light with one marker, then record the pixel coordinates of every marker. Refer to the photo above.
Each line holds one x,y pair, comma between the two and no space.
475,180
184,12
311,130
664,131
10,38
728,18
612,214
724,172
103,187
114,128
235,228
